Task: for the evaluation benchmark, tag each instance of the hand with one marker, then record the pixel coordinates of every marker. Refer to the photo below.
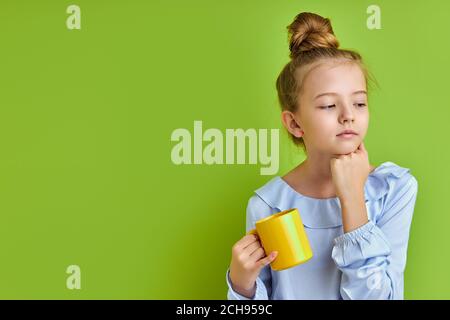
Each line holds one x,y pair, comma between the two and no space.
349,173
248,258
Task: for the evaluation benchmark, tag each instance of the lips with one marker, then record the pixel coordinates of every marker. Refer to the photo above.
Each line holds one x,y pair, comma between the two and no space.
347,136
347,132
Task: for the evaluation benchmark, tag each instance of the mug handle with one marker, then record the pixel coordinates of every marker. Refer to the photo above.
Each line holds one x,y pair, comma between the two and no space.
253,231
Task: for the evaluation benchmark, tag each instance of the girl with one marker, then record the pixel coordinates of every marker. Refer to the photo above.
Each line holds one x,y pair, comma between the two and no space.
357,216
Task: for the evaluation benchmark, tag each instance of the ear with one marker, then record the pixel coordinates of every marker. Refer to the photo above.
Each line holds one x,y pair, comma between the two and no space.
290,123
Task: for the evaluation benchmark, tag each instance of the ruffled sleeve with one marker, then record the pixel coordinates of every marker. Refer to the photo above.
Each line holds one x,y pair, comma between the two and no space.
372,258
256,209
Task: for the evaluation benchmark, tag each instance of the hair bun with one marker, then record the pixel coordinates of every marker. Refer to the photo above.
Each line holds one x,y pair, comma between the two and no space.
309,31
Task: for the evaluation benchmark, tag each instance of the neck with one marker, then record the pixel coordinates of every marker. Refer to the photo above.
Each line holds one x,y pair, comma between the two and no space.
316,169
313,178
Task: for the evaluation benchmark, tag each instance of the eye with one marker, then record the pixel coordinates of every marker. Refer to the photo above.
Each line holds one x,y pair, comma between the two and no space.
327,107
361,105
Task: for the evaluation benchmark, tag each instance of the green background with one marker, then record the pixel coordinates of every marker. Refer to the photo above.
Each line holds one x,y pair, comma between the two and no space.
86,117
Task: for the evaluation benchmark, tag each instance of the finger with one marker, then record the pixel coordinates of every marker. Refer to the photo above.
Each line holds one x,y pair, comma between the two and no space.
251,248
362,147
359,149
246,240
264,262
258,254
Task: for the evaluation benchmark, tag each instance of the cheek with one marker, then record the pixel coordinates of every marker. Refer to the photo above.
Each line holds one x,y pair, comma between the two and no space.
364,120
320,124
363,125
322,127
326,123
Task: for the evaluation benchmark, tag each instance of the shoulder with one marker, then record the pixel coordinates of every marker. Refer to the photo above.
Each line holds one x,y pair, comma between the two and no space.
388,179
392,185
265,200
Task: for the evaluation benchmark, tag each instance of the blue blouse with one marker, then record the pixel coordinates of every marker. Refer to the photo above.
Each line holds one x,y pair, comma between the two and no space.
365,263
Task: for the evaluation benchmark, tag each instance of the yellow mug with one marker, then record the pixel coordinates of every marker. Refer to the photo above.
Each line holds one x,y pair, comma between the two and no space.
284,232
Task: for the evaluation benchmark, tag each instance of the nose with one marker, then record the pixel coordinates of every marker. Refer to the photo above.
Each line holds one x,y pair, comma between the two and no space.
346,114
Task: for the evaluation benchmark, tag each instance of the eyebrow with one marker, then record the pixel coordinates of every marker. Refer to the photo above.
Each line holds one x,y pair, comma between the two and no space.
335,94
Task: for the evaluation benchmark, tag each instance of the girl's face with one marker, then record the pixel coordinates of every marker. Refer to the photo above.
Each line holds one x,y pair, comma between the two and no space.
333,99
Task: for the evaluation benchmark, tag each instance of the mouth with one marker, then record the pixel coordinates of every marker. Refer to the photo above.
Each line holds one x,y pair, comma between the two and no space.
347,132
347,135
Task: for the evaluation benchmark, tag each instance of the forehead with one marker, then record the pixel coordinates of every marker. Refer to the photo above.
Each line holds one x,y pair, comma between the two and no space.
343,78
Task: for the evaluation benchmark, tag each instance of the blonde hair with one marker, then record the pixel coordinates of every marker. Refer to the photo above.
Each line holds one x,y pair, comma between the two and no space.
311,39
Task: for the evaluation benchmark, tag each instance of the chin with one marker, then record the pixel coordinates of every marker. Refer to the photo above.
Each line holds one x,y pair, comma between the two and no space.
346,148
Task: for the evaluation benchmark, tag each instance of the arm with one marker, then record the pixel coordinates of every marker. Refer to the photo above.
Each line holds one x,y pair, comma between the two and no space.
264,281
372,257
